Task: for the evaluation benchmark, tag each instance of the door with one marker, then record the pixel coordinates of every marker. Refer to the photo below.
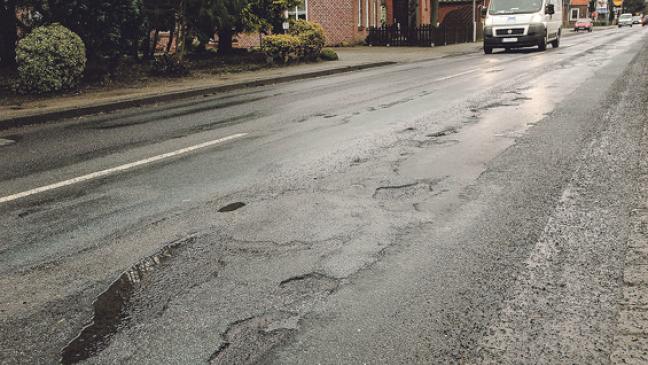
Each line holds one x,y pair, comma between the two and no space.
554,21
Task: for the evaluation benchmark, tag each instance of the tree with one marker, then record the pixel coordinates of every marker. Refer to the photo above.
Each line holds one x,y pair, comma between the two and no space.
633,6
8,27
268,15
224,17
160,16
109,28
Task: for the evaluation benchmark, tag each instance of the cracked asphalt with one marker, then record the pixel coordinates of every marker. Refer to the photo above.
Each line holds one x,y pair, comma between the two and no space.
471,209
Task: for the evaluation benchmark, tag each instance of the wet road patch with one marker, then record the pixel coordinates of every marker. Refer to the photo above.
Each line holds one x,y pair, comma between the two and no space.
110,307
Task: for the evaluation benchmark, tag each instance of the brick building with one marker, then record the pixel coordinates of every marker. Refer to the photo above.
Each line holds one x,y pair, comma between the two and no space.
578,9
344,21
412,13
347,21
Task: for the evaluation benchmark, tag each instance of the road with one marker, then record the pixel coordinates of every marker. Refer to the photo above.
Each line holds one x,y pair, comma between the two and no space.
471,209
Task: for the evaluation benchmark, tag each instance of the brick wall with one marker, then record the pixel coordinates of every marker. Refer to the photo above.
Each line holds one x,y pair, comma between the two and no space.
340,18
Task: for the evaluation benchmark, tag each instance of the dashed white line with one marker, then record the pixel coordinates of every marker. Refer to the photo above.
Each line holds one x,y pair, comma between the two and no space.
121,168
6,142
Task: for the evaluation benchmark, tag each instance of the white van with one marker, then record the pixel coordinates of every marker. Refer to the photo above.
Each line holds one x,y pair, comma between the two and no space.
522,23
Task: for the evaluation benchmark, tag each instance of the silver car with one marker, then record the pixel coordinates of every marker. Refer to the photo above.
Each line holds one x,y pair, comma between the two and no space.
625,20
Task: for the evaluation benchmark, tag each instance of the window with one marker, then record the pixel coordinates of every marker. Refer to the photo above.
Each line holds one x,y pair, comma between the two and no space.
574,14
299,12
498,7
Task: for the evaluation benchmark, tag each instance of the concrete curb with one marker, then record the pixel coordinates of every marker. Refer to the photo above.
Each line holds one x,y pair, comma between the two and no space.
38,118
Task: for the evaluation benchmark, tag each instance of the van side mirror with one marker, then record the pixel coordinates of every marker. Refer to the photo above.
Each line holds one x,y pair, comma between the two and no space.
483,12
550,10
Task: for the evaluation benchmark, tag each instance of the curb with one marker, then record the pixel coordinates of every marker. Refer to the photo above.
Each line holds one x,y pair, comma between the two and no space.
39,118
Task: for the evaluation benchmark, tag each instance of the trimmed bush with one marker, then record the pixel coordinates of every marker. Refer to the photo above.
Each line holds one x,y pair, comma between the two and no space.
283,48
50,58
312,36
328,54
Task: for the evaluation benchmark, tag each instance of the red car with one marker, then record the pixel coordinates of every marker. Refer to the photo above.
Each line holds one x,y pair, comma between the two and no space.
583,24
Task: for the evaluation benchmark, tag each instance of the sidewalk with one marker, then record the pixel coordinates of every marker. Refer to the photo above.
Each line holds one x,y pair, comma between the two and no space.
353,58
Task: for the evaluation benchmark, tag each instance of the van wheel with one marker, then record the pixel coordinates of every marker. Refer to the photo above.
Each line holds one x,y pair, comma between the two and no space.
488,50
543,44
556,42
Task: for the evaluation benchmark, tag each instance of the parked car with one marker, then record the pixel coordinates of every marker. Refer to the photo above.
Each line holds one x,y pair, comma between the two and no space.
583,24
625,20
636,19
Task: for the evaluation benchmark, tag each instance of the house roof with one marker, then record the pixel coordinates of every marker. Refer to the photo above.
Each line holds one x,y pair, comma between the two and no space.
579,3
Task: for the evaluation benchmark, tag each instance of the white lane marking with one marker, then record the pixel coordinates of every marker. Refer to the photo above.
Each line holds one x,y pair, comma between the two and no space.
6,142
457,75
121,168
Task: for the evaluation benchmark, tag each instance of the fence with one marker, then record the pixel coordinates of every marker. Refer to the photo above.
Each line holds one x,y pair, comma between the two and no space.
423,36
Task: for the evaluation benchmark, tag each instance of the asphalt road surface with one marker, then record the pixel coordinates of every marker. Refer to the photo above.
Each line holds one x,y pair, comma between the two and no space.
471,209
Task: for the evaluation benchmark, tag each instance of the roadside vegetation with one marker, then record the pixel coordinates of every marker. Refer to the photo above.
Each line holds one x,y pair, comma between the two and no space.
51,46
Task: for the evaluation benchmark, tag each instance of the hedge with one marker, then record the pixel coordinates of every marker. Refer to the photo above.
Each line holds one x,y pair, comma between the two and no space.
304,41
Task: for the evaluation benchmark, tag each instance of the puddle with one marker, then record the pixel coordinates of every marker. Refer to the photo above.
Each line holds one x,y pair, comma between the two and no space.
231,207
110,307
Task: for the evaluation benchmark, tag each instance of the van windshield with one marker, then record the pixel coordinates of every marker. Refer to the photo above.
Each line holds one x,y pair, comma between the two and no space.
514,6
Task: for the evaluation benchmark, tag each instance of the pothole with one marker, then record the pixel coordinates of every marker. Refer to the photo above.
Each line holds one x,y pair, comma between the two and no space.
110,307
358,160
231,207
309,284
397,192
248,340
443,132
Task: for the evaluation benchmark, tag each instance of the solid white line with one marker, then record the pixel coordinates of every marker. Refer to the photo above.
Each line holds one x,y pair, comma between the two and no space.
457,75
121,168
